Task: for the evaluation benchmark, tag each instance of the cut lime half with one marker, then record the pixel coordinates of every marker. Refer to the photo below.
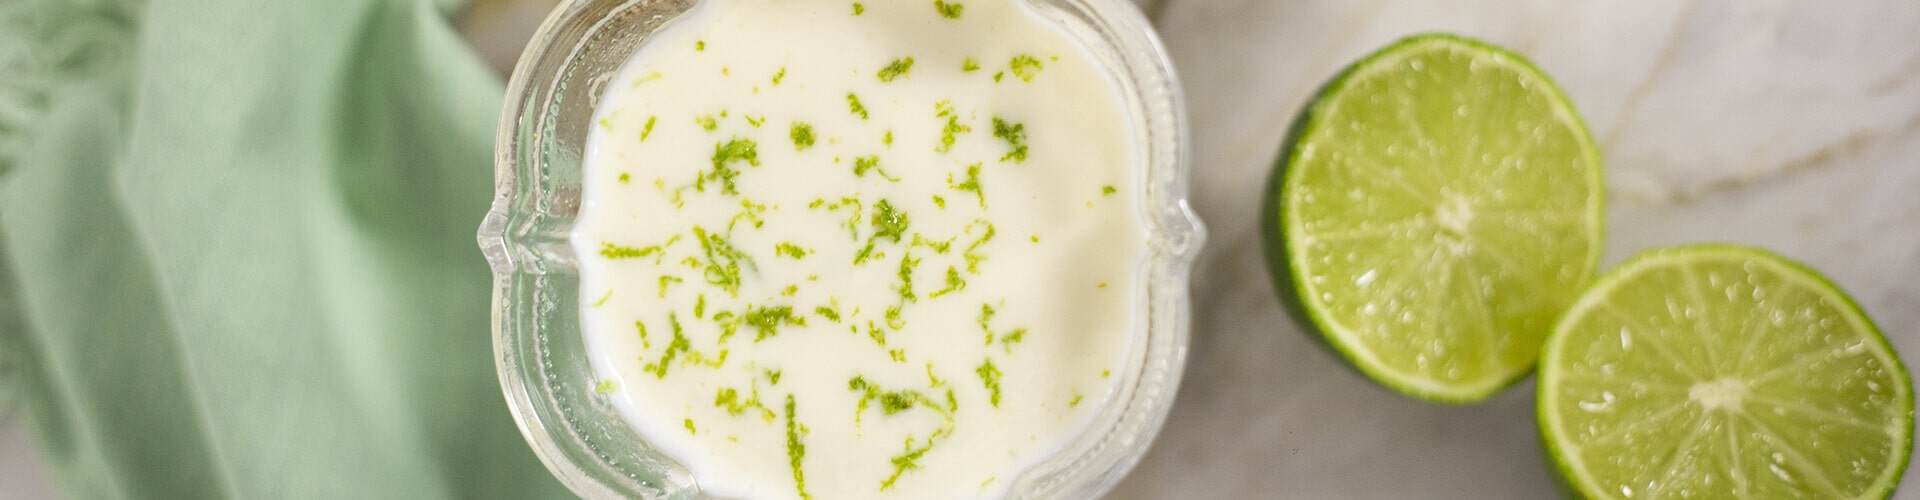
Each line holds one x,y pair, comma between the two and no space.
1438,206
1717,371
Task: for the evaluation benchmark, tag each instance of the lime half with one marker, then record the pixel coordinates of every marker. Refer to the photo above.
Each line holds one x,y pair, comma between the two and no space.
1438,207
1716,371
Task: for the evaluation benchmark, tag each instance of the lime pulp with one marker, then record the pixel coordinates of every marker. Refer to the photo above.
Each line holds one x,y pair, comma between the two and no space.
1438,207
1716,371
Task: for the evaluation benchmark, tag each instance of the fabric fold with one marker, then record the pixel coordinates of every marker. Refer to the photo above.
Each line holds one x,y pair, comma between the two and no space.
240,241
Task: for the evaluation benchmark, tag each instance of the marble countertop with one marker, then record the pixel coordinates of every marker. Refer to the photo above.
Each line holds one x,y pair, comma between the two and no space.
1790,125
1793,125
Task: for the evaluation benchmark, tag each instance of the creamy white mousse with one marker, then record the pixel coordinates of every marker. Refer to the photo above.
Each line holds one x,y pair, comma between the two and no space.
886,249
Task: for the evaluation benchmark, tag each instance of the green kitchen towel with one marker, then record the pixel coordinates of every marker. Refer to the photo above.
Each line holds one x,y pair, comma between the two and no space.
236,240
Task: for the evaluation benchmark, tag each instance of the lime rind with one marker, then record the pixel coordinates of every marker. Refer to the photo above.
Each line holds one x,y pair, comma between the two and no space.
1288,265
1571,475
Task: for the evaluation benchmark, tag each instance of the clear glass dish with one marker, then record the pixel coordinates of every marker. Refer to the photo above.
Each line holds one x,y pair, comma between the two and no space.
538,348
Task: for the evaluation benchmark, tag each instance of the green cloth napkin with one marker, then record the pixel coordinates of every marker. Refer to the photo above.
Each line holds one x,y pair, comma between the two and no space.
238,243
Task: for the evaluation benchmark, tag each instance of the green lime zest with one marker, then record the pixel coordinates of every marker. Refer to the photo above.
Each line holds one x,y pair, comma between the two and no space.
697,358
1016,136
907,263
895,402
955,283
854,106
612,251
973,259
796,452
1024,67
679,345
647,130
878,335
729,324
948,10
667,279
648,78
896,69
949,133
986,318
853,219
990,378
827,312
728,398
766,321
724,153
895,321
972,185
750,212
802,134
1007,340
932,380
888,223
906,461
791,250
938,246
722,267
869,392
871,162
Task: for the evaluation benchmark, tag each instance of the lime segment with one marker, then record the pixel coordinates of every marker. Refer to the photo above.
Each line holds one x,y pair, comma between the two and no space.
1439,207
1718,372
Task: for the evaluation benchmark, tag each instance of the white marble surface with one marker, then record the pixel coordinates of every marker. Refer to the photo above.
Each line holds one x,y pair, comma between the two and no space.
1793,125
1789,124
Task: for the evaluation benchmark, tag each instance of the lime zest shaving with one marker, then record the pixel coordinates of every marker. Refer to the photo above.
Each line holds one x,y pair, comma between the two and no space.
802,134
1016,136
948,10
1024,67
896,69
796,452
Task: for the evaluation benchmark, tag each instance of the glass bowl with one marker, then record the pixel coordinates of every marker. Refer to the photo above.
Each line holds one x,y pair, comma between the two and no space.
538,347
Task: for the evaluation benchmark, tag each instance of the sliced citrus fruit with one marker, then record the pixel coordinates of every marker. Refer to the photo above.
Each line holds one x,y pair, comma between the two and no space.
1716,371
1438,206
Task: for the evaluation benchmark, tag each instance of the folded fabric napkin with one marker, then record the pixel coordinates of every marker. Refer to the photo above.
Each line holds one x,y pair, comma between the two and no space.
237,254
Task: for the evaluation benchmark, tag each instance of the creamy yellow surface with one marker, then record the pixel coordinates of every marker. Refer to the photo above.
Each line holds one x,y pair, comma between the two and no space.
886,249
